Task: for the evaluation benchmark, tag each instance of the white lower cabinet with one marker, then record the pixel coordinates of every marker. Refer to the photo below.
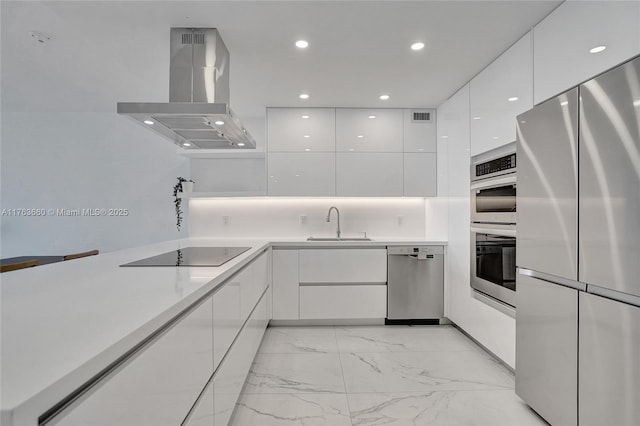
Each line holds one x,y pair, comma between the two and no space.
159,385
369,174
285,284
343,301
356,265
227,320
231,374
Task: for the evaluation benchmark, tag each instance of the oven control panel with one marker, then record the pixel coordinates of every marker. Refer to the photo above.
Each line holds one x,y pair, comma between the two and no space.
498,165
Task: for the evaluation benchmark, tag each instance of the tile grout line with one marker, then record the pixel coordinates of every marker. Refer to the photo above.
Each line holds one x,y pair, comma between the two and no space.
344,382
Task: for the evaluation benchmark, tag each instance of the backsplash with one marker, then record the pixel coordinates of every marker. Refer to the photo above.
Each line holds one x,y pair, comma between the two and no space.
302,217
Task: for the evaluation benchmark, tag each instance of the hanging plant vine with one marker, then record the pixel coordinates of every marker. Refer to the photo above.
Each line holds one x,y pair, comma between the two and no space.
177,201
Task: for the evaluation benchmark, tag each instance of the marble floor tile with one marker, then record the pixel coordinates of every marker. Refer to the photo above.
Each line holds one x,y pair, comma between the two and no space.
295,373
402,339
292,409
452,408
422,371
282,340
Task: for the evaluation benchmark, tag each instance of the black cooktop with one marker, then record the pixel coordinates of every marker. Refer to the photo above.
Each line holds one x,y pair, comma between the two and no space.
192,256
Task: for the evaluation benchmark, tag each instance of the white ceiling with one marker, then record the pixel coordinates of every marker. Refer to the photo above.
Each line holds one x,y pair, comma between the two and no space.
107,51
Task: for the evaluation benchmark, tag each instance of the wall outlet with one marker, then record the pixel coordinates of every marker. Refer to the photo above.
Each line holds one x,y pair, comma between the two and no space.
303,219
225,220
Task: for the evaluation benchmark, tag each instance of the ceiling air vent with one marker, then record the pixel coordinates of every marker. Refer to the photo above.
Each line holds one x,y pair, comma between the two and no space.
421,116
191,38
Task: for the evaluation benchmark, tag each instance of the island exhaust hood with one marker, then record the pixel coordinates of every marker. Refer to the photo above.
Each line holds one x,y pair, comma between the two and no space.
197,115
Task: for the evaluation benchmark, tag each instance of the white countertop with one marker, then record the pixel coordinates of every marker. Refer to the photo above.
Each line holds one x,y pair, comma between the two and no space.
64,322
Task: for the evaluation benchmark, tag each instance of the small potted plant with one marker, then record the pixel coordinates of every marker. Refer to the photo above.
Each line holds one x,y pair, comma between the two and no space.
177,199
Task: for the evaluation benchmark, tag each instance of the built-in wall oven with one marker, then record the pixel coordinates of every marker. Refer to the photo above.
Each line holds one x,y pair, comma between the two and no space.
493,224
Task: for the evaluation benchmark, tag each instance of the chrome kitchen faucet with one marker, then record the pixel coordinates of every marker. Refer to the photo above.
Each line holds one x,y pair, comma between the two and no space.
329,219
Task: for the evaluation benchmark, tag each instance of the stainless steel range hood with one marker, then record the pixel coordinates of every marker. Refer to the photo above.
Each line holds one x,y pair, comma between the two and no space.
197,115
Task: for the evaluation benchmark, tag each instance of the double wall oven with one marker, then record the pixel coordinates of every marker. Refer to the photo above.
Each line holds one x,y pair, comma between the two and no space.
493,224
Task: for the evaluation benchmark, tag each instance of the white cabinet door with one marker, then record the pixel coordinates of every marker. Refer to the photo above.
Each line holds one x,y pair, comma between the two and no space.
563,40
227,319
343,266
285,284
420,174
369,130
302,174
235,175
202,413
157,387
297,129
343,302
419,130
369,174
230,377
253,284
498,94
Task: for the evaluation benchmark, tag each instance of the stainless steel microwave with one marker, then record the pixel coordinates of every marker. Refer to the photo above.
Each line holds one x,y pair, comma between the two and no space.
493,186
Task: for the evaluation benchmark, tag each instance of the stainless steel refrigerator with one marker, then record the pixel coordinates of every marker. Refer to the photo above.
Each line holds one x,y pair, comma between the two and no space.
578,253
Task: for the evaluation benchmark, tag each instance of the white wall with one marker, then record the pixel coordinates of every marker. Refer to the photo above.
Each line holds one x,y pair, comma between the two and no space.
64,147
280,217
490,327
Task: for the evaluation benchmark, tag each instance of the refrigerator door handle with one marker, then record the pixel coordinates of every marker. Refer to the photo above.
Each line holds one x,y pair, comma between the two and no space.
576,285
614,295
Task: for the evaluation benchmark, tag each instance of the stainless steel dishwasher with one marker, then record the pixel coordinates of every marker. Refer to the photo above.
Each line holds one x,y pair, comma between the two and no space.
415,284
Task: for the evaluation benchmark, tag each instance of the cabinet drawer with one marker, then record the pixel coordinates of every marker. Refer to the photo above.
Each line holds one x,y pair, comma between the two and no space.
343,266
159,385
227,320
343,301
230,377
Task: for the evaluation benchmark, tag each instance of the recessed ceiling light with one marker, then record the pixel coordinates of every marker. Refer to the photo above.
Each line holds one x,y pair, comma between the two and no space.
494,137
476,118
306,136
302,44
597,49
305,116
307,149
445,137
304,96
297,175
513,99
420,149
351,149
149,122
186,144
384,97
372,116
219,123
240,144
417,46
360,136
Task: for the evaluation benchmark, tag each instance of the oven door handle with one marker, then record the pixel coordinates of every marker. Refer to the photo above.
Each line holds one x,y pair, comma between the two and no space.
492,182
495,229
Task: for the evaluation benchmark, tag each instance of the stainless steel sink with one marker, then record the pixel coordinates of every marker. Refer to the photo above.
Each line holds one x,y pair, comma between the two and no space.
338,239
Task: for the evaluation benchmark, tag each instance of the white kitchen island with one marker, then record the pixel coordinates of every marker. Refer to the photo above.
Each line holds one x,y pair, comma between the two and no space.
63,324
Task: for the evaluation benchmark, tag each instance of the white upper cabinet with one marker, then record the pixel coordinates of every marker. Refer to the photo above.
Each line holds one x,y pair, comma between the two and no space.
368,130
498,94
369,174
301,174
563,40
420,175
419,130
301,129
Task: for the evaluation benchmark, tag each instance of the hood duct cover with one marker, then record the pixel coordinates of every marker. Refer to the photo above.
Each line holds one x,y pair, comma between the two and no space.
197,115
